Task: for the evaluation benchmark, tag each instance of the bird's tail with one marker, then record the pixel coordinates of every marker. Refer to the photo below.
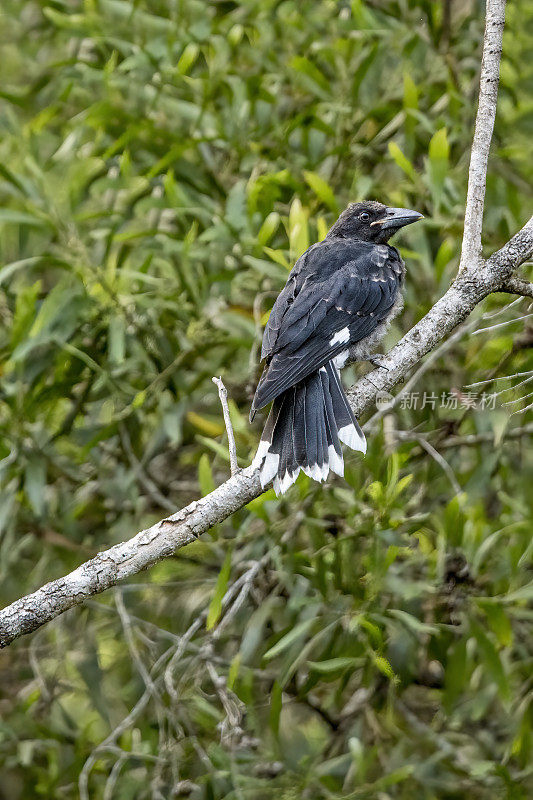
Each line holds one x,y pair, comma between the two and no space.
304,430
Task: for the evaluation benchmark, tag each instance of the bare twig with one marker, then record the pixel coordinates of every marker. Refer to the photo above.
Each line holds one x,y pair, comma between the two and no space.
234,598
127,627
486,114
499,378
471,439
436,456
438,352
501,324
223,394
109,742
149,485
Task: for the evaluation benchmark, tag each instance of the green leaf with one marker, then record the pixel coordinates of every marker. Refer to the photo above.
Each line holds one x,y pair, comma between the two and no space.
188,57
498,621
298,632
522,595
233,671
401,160
410,92
376,490
455,674
8,270
323,191
205,475
236,207
35,483
311,77
298,229
268,228
278,256
139,399
56,306
117,340
333,664
439,150
218,448
414,624
276,700
10,215
446,252
384,667
322,228
24,312
491,660
215,606
211,427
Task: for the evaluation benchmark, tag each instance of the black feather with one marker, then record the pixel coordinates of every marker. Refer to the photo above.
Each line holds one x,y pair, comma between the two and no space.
341,408
333,437
311,422
299,428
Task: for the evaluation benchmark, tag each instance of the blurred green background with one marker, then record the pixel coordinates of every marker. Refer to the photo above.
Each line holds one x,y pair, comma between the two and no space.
162,164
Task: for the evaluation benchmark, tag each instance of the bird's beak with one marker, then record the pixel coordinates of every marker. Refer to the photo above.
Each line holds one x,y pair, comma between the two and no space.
396,218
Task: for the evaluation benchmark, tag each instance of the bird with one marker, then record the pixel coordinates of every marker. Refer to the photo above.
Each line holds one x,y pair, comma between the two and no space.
338,302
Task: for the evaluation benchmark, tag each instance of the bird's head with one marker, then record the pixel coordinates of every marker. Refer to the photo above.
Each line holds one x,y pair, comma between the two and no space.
372,221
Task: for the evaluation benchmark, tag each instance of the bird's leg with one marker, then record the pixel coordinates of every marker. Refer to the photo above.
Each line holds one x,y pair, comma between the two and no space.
376,361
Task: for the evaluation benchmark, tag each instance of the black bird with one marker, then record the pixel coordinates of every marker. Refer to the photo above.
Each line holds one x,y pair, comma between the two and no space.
337,303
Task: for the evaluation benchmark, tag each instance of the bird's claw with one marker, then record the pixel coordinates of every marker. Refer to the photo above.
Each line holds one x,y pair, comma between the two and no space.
376,361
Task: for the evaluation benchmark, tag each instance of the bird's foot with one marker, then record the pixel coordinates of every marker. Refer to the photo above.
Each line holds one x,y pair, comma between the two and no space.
377,361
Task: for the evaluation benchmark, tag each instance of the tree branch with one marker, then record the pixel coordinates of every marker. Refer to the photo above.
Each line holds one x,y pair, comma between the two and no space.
486,114
516,285
474,282
170,534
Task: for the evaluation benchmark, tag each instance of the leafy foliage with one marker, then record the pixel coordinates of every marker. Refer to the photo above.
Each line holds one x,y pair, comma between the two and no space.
162,164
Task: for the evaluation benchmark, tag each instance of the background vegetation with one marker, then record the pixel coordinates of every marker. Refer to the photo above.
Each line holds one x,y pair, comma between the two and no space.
161,166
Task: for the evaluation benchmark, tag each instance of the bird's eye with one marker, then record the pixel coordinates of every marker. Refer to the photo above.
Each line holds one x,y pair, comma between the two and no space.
365,216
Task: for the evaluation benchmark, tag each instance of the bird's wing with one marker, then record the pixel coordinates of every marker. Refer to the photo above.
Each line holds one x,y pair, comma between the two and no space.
313,283
335,298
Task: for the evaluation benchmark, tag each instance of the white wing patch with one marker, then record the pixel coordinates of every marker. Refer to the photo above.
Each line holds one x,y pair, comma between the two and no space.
350,436
341,359
340,337
266,461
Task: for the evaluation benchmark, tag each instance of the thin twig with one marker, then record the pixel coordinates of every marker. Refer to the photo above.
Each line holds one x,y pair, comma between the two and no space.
123,725
517,399
223,394
458,334
501,324
440,460
149,485
498,378
127,627
471,439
